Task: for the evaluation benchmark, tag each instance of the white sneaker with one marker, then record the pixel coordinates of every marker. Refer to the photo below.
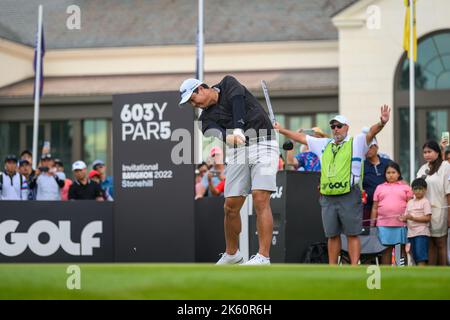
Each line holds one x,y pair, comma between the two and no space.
231,259
258,259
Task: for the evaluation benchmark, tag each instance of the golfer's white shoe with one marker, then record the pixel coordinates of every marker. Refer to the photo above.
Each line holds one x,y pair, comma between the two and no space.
231,259
257,260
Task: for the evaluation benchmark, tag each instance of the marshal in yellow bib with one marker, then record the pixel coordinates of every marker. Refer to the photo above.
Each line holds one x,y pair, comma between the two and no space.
336,168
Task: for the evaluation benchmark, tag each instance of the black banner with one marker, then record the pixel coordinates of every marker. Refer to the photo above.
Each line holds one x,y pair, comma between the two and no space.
154,178
56,231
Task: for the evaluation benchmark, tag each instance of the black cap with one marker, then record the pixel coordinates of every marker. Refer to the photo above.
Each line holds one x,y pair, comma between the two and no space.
11,157
46,156
23,162
59,162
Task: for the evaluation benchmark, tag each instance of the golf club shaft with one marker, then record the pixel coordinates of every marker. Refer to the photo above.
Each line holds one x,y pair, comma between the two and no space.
269,104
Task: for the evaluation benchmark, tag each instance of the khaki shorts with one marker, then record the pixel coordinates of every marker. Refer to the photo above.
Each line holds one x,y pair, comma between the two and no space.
251,168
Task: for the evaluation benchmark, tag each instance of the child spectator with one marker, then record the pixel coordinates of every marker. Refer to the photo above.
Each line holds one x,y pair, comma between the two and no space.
67,182
418,217
389,202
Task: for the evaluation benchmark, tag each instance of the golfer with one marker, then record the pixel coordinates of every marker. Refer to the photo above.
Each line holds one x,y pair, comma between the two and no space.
232,114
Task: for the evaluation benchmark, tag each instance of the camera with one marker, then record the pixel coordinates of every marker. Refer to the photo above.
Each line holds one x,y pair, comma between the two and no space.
43,169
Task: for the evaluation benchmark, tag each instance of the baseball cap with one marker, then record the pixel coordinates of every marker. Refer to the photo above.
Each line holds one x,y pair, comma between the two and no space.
215,150
340,119
59,162
46,156
187,88
23,162
93,173
78,165
98,162
374,142
11,157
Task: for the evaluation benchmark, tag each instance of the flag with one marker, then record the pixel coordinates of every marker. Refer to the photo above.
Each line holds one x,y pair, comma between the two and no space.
406,33
41,79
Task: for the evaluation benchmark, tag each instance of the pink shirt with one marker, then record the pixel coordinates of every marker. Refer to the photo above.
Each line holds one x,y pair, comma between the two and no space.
418,208
392,199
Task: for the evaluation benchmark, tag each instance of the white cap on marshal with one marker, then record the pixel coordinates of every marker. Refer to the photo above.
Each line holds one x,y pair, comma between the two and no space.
340,119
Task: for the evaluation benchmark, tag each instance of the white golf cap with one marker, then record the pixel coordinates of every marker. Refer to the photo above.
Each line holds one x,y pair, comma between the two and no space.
78,165
187,88
374,142
340,119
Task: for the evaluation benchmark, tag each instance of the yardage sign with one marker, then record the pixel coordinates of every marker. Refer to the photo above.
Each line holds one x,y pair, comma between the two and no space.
154,177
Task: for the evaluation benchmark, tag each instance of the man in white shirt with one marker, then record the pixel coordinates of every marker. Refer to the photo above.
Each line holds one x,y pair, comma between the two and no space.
341,159
13,186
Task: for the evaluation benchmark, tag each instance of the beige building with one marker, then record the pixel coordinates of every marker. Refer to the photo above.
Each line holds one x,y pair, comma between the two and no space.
318,57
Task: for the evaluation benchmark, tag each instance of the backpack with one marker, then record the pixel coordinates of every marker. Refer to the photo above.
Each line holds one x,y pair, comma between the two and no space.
317,253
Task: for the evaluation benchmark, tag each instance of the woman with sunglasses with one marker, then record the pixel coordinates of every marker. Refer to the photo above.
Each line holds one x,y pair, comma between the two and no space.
340,180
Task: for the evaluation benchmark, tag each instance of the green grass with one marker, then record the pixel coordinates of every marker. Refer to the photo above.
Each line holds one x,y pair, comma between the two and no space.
204,281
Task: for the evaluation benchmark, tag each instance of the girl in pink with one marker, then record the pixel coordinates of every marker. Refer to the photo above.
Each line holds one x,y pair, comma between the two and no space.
389,203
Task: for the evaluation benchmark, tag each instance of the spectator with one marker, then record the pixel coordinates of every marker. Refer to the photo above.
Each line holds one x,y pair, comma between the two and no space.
27,155
218,189
107,182
382,155
389,203
95,176
436,172
306,160
47,181
217,171
13,185
29,174
374,167
418,217
340,180
202,169
447,155
67,182
83,188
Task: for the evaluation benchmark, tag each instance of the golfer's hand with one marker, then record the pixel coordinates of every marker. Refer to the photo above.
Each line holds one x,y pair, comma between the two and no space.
234,140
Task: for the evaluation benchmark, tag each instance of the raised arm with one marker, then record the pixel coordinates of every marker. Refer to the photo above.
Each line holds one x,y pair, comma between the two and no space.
376,128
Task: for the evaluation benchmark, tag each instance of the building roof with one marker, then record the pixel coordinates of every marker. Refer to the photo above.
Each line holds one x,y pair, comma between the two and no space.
304,81
119,23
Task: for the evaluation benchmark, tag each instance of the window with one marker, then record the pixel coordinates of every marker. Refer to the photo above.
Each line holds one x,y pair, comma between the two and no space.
95,137
433,64
9,139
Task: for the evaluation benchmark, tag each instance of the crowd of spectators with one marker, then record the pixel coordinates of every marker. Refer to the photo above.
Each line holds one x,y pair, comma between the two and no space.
48,182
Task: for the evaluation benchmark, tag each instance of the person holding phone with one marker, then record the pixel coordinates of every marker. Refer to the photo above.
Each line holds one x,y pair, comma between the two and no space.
48,182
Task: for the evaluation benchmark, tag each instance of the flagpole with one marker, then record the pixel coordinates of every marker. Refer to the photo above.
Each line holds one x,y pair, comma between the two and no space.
412,89
37,87
199,74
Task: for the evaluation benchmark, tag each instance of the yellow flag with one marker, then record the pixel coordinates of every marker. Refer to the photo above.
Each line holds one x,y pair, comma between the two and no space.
406,33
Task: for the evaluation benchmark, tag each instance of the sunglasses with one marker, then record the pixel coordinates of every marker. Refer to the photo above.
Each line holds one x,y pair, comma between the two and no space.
339,126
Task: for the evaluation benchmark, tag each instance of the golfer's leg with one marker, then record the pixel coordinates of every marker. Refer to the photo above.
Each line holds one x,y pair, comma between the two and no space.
264,220
232,223
334,249
354,249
